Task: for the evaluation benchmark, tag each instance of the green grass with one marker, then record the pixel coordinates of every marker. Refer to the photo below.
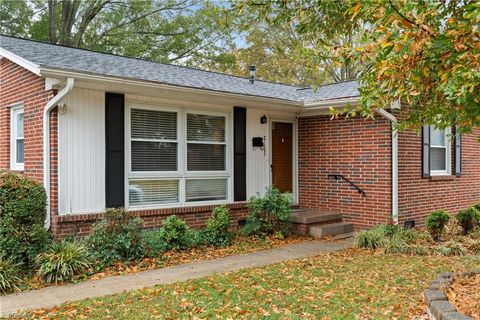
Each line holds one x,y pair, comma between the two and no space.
347,285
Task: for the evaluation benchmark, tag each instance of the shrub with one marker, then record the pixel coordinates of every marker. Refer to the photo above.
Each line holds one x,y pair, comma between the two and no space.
153,244
370,239
217,231
268,214
22,217
175,233
9,274
468,219
63,261
116,238
436,223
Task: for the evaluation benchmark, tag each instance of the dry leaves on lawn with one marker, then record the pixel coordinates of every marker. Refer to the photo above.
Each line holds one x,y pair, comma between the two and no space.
465,295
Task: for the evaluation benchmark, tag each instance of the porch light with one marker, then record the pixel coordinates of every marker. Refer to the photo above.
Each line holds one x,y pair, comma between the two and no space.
252,73
263,119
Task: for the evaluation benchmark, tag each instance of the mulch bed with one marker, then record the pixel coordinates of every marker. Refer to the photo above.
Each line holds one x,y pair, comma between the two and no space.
240,245
464,293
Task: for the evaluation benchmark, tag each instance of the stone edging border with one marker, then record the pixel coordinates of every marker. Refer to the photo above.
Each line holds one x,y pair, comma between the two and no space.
438,306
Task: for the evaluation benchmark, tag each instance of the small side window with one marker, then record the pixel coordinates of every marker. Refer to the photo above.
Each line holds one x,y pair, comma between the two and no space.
440,151
17,141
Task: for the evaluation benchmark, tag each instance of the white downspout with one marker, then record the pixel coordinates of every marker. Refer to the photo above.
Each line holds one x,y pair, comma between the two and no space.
52,103
393,121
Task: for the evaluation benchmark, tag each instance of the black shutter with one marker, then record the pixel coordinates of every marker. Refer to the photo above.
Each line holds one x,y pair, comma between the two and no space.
240,154
426,151
458,154
115,150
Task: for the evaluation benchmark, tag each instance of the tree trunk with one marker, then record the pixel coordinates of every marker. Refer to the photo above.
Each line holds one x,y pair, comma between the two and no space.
52,21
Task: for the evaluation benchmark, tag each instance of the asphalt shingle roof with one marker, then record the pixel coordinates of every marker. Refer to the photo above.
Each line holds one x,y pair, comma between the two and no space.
85,61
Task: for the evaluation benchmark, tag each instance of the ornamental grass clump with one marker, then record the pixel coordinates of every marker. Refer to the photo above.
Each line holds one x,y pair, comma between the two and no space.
269,214
370,239
468,219
9,274
63,261
436,222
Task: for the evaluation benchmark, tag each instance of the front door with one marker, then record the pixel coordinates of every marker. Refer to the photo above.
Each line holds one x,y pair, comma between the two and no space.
282,155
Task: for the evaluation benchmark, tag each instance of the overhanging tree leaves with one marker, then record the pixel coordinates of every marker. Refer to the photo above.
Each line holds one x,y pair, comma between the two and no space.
425,54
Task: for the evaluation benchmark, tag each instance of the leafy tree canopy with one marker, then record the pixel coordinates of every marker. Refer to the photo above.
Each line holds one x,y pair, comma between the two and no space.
182,31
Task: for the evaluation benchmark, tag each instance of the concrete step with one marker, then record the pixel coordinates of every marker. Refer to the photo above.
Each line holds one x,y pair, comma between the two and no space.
344,236
312,216
331,229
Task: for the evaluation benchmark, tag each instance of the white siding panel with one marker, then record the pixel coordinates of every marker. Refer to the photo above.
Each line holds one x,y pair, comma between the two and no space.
258,162
81,145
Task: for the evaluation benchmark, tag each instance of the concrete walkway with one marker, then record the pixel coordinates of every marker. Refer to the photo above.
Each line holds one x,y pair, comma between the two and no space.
56,295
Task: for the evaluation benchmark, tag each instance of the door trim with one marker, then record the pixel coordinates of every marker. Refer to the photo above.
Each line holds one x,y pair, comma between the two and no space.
294,154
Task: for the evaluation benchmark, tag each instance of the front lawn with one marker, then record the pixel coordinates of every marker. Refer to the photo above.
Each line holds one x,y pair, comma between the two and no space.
352,284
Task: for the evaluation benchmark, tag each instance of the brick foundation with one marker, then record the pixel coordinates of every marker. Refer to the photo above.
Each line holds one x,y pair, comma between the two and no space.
196,217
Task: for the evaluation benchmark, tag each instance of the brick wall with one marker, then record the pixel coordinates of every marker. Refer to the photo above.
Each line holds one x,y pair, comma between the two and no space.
419,196
18,85
195,216
357,148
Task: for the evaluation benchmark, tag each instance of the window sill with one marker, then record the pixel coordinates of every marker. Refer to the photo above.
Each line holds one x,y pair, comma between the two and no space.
448,177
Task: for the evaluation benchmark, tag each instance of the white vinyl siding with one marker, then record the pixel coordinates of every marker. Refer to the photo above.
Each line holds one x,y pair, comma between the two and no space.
440,151
17,141
176,156
81,152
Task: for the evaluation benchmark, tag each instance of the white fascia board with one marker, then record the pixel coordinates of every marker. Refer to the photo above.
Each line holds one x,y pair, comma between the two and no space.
47,72
30,66
323,107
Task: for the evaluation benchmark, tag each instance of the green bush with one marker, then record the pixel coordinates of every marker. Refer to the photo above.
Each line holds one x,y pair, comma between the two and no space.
175,233
268,214
217,231
116,238
468,219
153,244
63,261
22,217
9,274
436,222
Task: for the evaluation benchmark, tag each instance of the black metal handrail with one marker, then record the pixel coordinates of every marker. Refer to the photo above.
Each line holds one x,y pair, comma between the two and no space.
338,176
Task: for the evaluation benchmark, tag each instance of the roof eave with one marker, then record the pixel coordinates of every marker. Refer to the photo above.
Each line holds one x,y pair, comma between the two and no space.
61,73
27,64
311,108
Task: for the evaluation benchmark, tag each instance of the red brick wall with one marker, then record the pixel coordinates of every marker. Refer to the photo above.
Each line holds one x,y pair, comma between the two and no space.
18,85
357,148
419,196
196,217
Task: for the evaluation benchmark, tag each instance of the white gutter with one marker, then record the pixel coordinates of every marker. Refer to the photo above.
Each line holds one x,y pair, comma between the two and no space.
46,141
312,105
393,121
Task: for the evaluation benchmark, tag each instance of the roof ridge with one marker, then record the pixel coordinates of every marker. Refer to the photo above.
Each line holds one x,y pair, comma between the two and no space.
151,61
329,84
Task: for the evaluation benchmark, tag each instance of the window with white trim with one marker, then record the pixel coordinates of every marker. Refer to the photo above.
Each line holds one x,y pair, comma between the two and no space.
440,151
177,157
17,141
